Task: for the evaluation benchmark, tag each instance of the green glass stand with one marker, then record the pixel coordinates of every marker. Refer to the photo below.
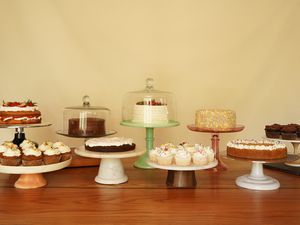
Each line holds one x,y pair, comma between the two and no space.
142,160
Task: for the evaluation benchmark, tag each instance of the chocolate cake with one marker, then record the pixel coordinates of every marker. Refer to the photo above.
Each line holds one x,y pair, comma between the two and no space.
289,132
112,144
86,127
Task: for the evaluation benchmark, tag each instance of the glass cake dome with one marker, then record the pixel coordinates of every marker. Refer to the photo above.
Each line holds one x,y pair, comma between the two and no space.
86,120
149,107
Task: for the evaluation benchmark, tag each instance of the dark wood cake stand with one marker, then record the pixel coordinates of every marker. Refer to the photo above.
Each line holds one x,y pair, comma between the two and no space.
215,141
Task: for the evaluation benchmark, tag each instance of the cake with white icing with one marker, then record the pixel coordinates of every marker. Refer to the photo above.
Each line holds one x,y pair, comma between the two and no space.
150,111
110,144
19,113
215,119
256,149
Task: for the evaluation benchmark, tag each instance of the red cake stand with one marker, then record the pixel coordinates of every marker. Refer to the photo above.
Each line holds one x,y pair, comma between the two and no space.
215,141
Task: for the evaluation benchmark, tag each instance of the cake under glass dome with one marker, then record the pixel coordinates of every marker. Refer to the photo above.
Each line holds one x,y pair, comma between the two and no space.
86,120
149,107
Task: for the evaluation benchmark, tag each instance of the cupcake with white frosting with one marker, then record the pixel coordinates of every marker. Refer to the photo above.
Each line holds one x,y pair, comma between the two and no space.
153,154
32,156
164,158
63,149
45,146
51,156
200,158
11,156
3,148
210,154
27,144
183,158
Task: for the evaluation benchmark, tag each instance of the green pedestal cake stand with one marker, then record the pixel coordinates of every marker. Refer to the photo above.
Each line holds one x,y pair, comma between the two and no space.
142,160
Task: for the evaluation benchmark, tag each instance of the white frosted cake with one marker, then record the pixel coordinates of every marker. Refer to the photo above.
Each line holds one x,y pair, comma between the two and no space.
220,119
154,113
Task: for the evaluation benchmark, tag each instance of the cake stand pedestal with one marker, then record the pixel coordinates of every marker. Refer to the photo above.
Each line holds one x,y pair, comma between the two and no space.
31,176
182,176
19,128
215,141
142,161
256,180
111,170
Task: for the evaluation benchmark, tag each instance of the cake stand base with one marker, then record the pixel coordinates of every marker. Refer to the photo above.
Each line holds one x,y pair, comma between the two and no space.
29,181
181,179
111,171
141,162
256,180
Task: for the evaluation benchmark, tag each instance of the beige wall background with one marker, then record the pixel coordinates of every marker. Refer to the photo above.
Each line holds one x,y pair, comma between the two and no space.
241,55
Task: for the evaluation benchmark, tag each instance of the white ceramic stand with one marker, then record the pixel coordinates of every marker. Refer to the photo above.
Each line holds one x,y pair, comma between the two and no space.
31,176
256,180
111,170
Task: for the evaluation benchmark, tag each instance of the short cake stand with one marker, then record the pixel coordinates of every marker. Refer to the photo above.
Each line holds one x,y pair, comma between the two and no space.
256,180
215,141
111,170
182,176
31,176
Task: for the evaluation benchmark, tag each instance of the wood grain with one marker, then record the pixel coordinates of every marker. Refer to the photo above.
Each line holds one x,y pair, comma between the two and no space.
72,197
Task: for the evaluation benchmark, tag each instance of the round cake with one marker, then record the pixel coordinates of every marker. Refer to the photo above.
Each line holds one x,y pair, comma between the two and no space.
110,144
150,111
257,149
215,119
86,127
19,113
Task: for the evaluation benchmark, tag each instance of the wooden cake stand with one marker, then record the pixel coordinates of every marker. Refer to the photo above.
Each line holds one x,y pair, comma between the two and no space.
111,170
256,180
215,141
31,176
182,176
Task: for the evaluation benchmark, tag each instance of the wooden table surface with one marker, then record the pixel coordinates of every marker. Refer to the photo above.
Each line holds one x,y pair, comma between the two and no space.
72,197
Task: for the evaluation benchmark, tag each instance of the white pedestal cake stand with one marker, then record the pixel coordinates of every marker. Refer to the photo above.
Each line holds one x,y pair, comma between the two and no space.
182,176
31,176
256,180
111,170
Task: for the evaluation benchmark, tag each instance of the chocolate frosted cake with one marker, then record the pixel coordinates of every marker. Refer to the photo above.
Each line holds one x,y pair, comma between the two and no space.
289,132
86,127
113,144
273,131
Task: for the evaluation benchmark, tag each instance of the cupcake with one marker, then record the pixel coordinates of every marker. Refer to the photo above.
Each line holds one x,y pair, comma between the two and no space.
200,158
11,156
164,158
51,155
27,144
210,154
153,153
32,156
183,158
45,146
3,148
189,148
289,132
273,131
64,150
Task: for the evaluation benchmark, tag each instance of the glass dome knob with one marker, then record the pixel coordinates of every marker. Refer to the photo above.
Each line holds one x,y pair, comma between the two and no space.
86,100
149,83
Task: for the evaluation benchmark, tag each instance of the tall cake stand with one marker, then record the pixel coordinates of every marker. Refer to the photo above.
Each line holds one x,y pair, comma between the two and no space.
256,180
215,141
111,170
31,176
182,176
142,162
19,130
